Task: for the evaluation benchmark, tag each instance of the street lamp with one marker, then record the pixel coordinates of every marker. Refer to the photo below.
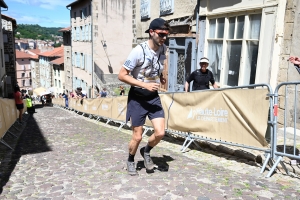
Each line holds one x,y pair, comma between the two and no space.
110,69
104,44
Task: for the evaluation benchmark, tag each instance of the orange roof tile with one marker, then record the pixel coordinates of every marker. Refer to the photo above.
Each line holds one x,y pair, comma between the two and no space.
35,57
56,52
58,61
65,29
35,51
21,54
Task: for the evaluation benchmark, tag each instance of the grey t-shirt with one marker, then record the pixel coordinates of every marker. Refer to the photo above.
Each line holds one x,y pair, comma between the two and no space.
146,68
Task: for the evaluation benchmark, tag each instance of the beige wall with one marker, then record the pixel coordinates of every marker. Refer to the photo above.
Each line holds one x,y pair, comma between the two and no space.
112,24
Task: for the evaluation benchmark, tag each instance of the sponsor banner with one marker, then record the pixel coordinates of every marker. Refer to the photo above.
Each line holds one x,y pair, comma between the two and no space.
238,116
119,108
105,107
93,105
79,105
2,120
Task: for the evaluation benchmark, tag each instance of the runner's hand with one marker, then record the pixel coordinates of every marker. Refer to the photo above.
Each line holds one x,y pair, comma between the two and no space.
162,80
295,60
151,86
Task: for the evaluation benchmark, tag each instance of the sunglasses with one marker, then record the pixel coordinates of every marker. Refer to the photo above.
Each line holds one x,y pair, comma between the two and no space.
162,33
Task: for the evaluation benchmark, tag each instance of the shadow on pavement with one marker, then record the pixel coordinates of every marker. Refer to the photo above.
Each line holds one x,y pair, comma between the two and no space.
160,162
29,141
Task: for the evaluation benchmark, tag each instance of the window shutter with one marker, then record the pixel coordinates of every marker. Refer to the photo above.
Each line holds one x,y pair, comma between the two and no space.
74,81
77,33
78,60
82,61
90,32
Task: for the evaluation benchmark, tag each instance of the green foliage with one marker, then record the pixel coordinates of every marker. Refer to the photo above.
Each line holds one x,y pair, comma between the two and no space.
35,32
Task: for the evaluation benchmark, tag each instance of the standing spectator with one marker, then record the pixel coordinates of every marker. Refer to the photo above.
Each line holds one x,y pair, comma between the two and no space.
19,102
145,64
103,93
201,77
65,96
122,91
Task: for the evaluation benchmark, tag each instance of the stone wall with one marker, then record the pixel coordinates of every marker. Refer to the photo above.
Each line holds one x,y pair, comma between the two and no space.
10,66
287,71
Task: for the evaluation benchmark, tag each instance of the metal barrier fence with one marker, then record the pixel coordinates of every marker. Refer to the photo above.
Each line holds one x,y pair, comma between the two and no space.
192,138
289,150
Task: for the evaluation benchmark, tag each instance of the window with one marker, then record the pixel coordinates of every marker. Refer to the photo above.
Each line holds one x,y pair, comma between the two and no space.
84,13
240,48
81,15
30,81
54,71
6,56
55,82
59,85
22,75
58,72
1,57
23,82
82,61
5,40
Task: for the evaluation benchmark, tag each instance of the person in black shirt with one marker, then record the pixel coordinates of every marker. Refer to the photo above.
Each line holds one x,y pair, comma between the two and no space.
201,77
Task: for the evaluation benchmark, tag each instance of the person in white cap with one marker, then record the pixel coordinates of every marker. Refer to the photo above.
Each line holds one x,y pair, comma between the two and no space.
143,71
201,77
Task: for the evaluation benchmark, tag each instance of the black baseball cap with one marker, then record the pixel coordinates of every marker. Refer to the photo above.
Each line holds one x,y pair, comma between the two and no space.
157,23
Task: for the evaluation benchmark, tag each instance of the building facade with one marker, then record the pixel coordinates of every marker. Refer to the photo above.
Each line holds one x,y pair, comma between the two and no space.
68,83
2,63
35,68
81,45
23,70
181,43
101,42
58,76
8,26
46,68
247,42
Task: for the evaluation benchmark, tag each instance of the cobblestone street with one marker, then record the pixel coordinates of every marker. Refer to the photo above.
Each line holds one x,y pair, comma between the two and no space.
62,155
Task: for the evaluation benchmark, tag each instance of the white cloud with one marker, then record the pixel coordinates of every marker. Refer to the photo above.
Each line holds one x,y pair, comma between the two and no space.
47,4
28,20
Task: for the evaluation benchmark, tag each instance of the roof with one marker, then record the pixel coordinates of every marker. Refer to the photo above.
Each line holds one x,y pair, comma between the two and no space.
2,4
58,61
21,54
72,4
35,57
65,29
56,52
34,51
8,17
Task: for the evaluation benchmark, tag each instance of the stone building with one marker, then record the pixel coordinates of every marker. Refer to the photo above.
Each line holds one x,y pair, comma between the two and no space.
46,68
68,83
23,70
8,27
35,68
247,42
2,63
101,41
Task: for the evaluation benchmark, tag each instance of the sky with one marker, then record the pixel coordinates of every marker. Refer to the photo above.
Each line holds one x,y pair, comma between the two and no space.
46,13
